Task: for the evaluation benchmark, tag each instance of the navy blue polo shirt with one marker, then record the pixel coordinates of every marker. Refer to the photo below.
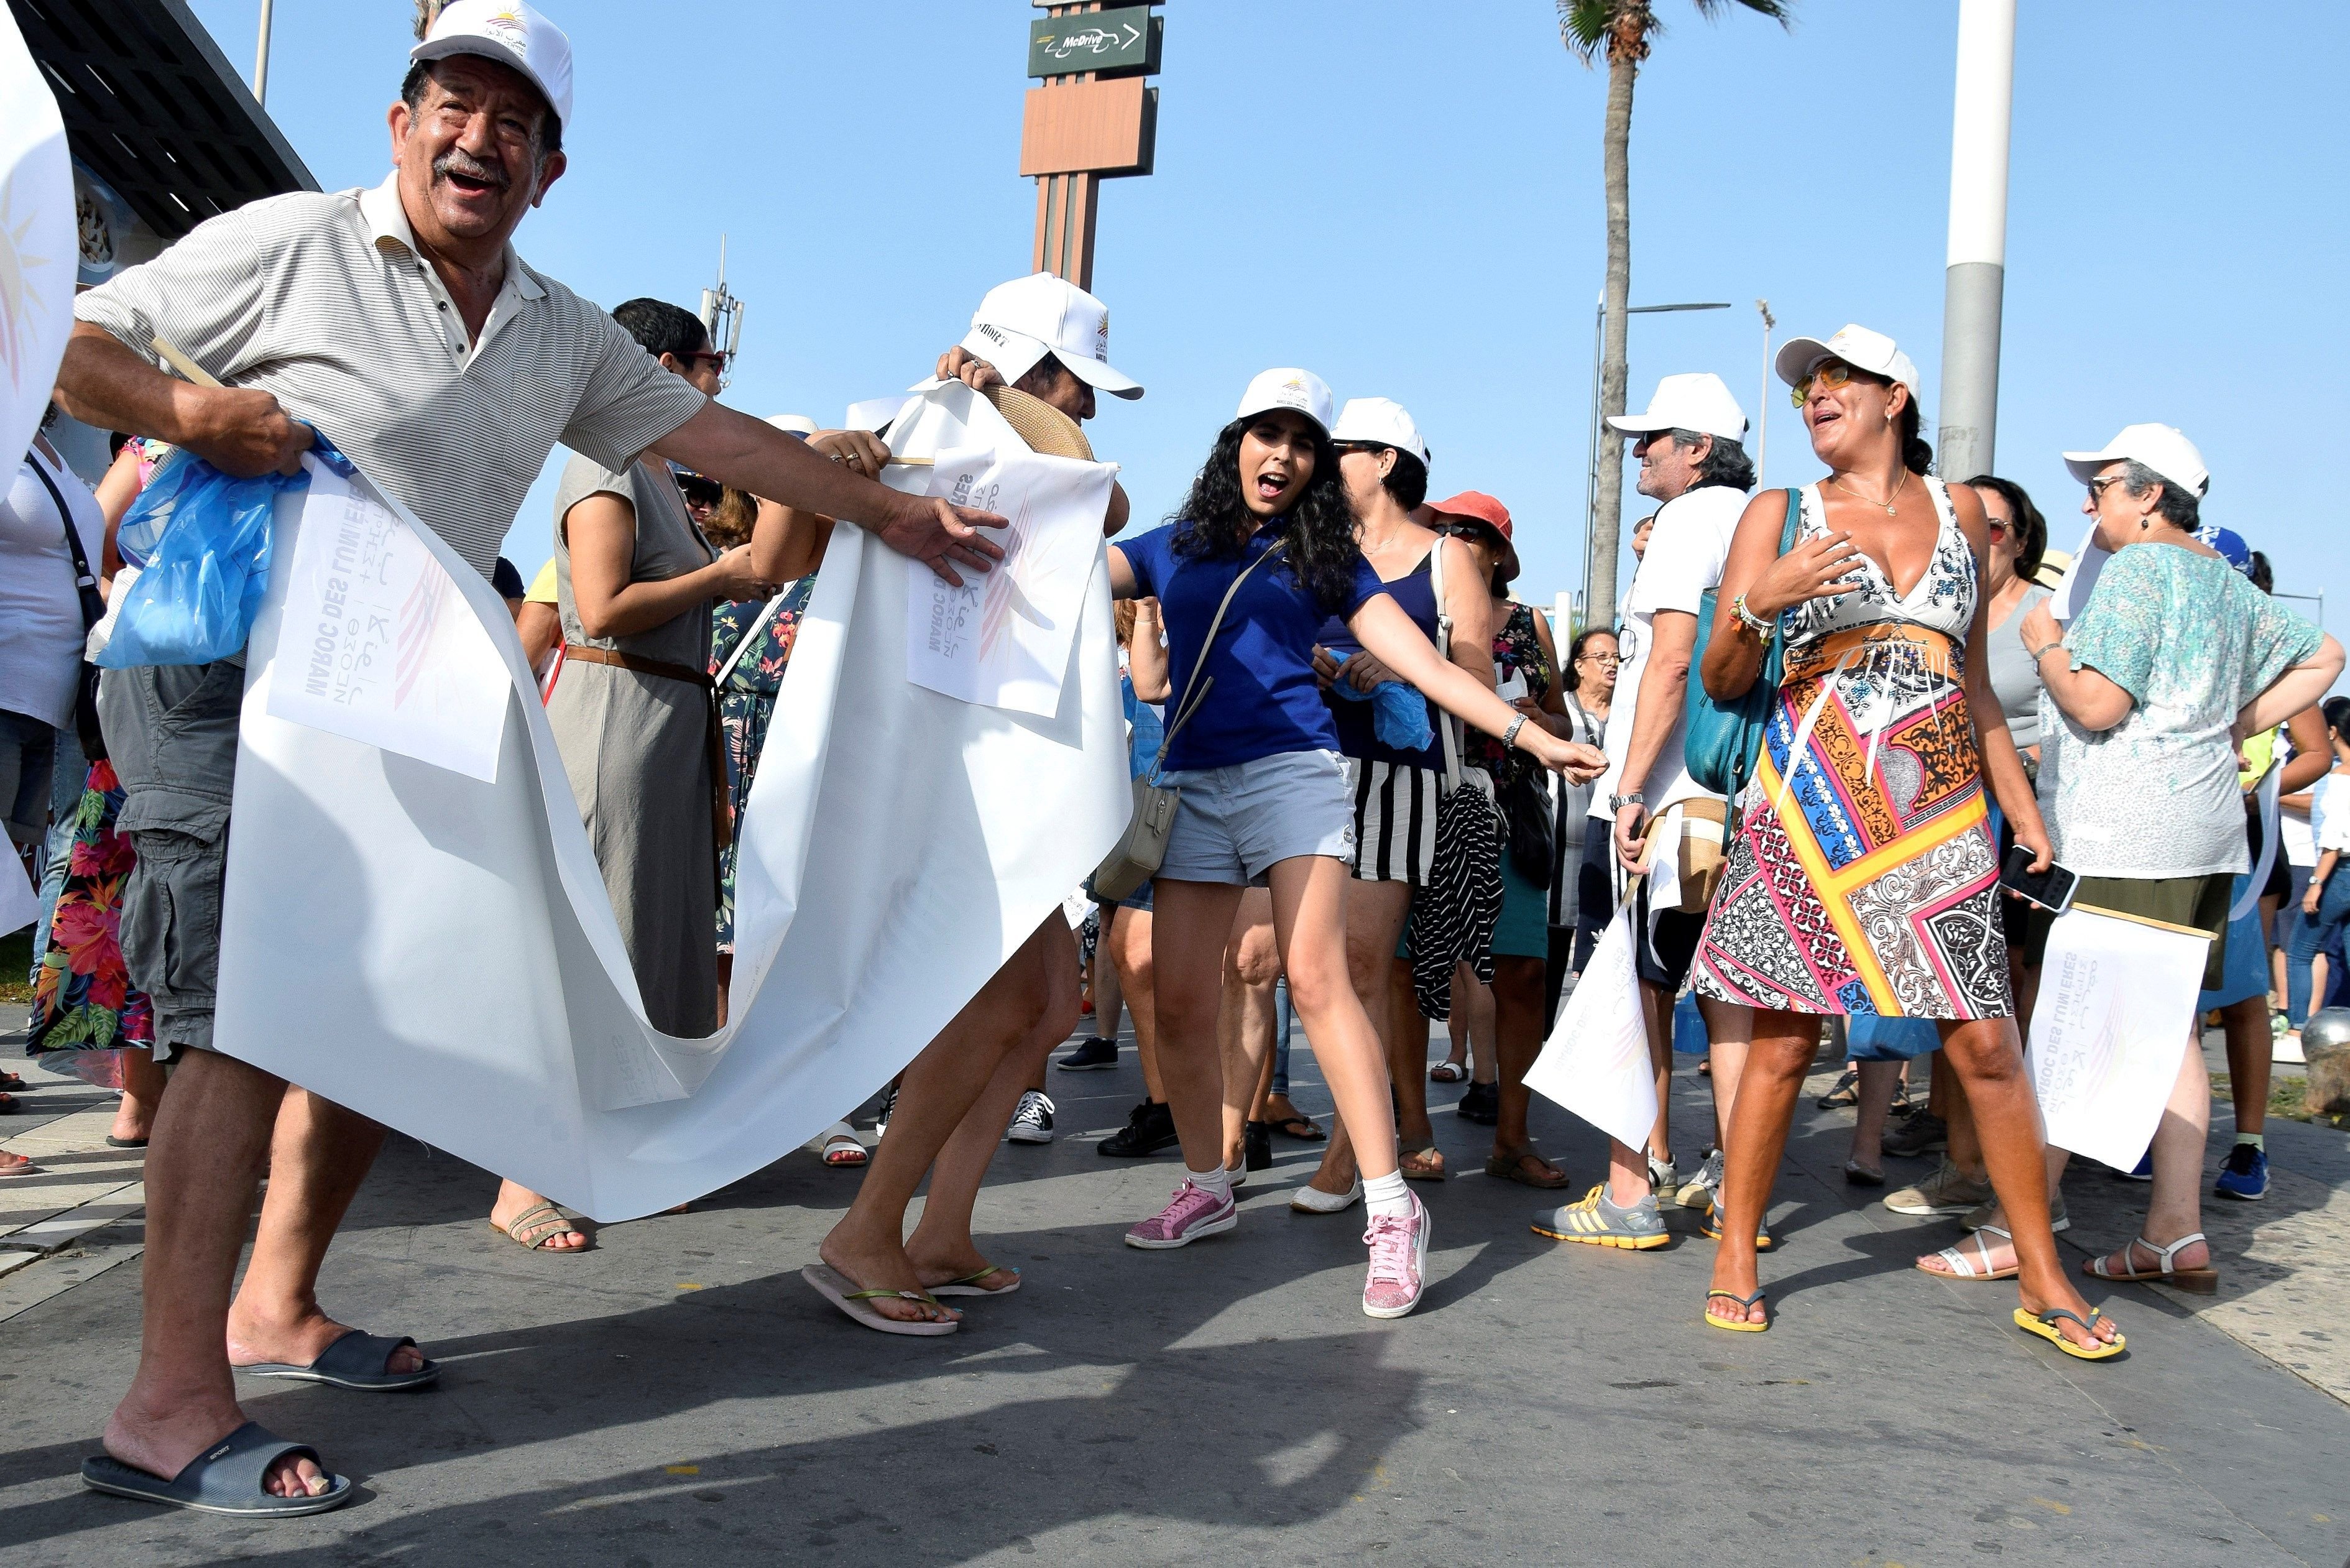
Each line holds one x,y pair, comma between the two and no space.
1265,700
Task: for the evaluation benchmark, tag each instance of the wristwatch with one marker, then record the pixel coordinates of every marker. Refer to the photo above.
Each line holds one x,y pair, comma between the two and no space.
1616,803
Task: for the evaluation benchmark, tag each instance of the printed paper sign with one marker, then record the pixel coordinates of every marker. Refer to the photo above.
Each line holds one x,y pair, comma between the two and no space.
20,904
378,644
1002,639
1596,1063
38,254
2116,1005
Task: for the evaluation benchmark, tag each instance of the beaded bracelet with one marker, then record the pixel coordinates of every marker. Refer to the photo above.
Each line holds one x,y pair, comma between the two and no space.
1749,620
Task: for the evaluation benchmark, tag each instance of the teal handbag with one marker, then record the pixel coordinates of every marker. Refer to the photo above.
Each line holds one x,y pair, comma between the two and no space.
1721,741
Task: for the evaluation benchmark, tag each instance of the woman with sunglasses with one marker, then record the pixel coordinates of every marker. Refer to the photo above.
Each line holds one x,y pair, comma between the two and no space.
1266,541
1863,878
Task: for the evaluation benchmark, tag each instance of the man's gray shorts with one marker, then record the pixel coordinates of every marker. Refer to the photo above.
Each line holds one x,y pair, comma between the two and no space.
171,732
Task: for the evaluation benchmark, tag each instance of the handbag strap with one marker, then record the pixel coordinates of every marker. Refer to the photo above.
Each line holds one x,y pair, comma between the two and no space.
1445,721
1190,702
93,607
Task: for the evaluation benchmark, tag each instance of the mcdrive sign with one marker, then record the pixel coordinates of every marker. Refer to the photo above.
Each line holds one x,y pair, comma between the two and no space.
1124,42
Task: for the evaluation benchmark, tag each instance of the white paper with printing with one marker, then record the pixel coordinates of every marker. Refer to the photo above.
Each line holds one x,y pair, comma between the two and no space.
39,254
1596,1063
1002,639
456,931
20,902
375,643
2071,596
2115,1009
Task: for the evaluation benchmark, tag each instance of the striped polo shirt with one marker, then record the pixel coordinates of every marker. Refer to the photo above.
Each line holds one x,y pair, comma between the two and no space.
324,301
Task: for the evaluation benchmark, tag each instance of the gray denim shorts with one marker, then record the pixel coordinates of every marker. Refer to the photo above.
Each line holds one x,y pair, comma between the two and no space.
1231,823
170,731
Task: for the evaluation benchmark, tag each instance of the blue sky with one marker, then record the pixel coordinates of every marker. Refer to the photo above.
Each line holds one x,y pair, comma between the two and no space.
1405,197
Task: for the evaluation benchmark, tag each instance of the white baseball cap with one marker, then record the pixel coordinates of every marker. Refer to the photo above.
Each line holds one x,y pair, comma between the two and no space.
1856,347
1021,321
798,424
1379,422
1289,388
2159,447
1697,401
511,32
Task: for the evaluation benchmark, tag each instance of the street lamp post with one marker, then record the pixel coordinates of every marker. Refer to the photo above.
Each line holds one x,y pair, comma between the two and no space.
1600,433
1763,399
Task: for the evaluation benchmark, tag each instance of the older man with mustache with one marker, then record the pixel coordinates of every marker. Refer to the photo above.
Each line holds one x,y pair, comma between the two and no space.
401,322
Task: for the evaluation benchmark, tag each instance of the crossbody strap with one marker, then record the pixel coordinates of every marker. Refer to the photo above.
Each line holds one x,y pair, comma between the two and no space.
1190,700
1444,651
93,607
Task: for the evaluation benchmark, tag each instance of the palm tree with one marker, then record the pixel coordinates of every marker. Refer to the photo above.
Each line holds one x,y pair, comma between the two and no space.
1624,30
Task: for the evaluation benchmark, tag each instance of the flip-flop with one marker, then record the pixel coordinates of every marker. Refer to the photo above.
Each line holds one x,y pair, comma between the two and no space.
27,1168
1962,1267
1423,1174
1512,1167
2044,1325
548,1220
969,1284
844,1151
358,1360
1448,1073
1303,1129
114,1142
13,1083
841,1291
1736,1324
224,1479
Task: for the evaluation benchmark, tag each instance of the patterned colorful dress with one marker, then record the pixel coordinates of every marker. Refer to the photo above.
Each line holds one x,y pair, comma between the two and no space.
1864,878
745,702
1517,650
83,1002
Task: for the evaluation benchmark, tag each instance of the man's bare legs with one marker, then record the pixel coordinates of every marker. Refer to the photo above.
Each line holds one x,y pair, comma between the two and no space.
942,1246
1244,1019
1628,1167
1518,1016
935,1094
203,1166
1376,912
2250,1047
318,1154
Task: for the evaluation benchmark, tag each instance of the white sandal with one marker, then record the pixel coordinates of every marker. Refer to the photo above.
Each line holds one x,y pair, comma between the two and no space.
2203,1282
1962,1267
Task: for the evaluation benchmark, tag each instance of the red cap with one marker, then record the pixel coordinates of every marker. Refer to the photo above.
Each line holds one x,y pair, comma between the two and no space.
1478,504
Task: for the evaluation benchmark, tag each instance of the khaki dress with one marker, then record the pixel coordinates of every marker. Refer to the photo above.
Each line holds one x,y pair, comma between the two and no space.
637,748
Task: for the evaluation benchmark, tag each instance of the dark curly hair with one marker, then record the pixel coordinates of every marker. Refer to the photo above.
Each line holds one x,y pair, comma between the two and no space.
1214,523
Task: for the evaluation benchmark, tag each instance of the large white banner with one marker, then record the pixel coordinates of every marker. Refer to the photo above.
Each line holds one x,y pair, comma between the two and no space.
2115,1012
437,950
1596,1063
39,254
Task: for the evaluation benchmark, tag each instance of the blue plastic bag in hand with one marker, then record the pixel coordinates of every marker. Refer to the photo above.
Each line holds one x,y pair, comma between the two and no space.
206,538
1399,713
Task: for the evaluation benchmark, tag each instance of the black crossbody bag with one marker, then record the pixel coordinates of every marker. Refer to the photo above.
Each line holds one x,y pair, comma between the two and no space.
93,610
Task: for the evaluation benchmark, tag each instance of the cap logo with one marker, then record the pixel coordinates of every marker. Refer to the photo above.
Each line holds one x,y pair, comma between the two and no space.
509,30
990,333
1101,339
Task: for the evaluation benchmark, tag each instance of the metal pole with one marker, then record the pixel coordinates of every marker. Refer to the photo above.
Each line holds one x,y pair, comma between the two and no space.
1762,400
261,60
1975,284
1591,474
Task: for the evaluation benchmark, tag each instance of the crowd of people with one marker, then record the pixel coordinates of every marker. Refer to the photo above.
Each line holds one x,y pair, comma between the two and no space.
1401,800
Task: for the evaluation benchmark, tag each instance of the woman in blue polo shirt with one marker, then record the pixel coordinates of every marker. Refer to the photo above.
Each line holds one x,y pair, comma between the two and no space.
1264,797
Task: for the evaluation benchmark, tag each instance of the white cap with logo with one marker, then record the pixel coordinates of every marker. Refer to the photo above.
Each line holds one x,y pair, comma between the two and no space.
511,32
1302,391
1697,401
1379,422
2158,447
1856,347
1021,321
793,425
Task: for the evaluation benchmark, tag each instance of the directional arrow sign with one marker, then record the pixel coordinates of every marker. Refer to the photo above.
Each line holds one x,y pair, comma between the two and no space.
1124,42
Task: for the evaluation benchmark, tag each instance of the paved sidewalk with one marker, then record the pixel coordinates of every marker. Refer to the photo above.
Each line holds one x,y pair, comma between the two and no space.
678,1395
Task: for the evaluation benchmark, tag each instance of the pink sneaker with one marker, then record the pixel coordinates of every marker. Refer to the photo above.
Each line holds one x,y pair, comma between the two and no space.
1191,1214
1398,1258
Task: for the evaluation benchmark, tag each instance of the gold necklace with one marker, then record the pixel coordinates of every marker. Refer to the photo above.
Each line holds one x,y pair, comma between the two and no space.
1886,502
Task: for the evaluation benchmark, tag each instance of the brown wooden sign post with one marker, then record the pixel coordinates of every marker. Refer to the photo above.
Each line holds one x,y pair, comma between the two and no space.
1094,119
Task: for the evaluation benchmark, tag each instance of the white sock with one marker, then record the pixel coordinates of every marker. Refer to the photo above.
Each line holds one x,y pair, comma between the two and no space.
1386,1197
1216,1183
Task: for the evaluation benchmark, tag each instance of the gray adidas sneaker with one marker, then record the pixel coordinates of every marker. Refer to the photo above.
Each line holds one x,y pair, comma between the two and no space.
1600,1223
1948,1191
1700,1191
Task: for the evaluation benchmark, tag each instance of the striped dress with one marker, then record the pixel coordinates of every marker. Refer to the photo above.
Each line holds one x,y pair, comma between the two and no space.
1864,878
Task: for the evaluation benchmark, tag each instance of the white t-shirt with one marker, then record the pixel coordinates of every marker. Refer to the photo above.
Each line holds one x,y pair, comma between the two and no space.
2329,813
40,611
1685,557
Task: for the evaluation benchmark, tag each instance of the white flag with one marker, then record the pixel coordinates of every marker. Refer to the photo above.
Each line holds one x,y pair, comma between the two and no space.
38,250
2115,1009
1596,1063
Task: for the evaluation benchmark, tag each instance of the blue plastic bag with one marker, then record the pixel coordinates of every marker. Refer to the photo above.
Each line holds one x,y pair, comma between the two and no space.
205,537
1399,713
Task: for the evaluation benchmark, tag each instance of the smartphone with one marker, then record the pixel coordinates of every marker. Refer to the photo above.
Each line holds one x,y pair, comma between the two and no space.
2051,889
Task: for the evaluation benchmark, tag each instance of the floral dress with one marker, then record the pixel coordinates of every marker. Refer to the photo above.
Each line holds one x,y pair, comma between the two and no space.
83,1004
745,703
1517,650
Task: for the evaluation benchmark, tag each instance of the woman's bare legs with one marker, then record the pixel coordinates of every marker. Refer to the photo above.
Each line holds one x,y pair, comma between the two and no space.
1245,1021
1878,1082
1376,912
1190,930
142,1091
1728,1029
1518,1011
1129,947
1473,1019
1309,919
